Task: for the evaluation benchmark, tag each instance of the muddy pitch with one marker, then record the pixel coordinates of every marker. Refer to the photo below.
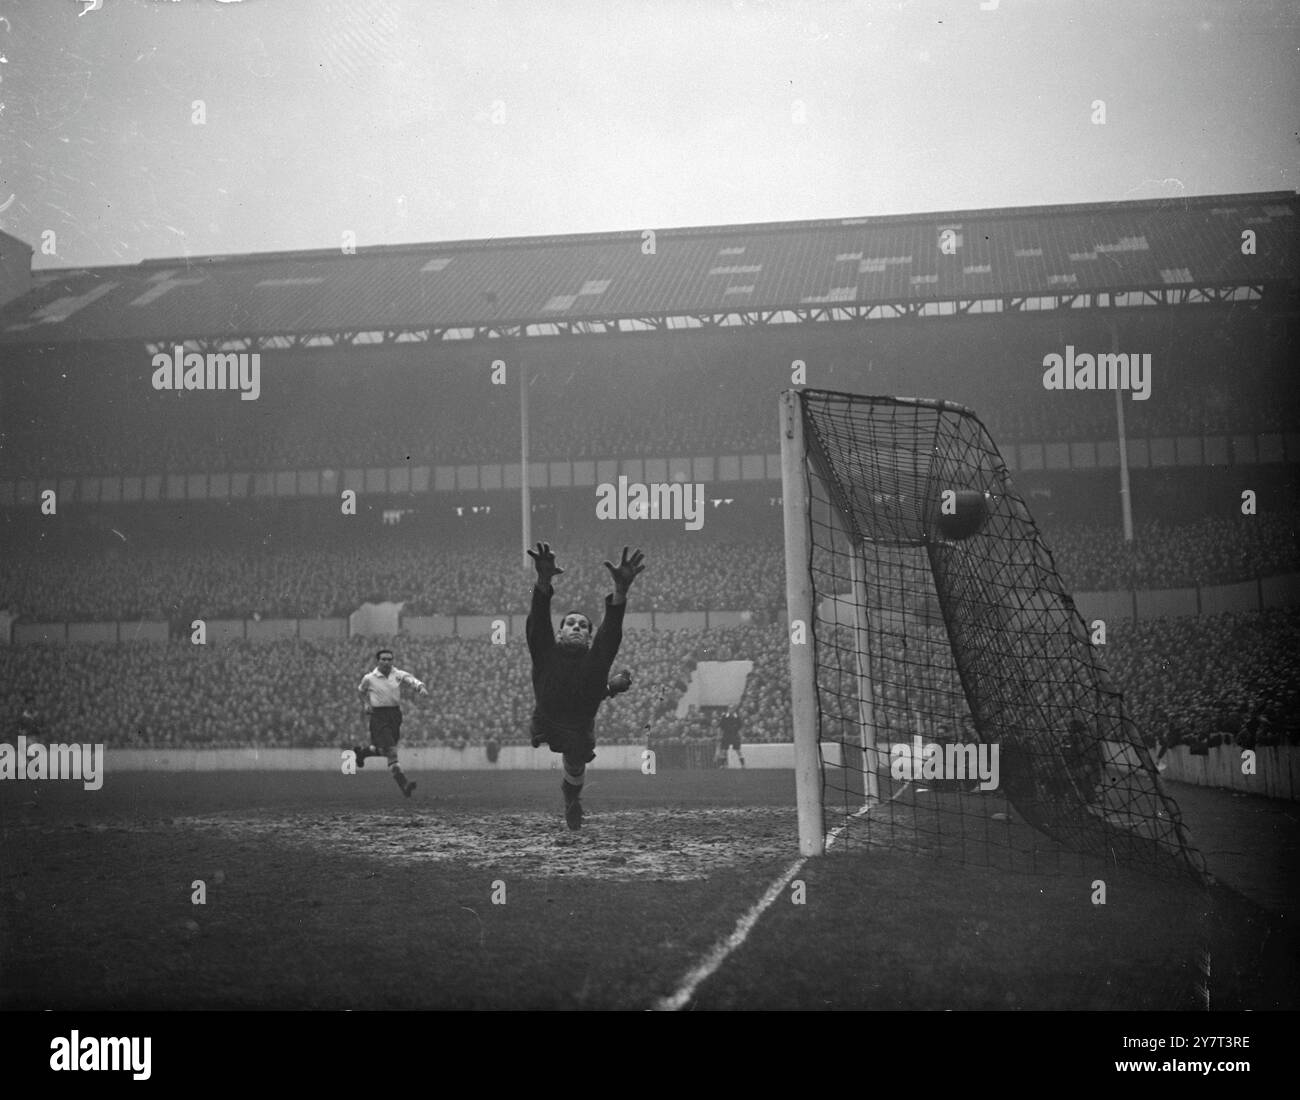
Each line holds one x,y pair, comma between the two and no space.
623,845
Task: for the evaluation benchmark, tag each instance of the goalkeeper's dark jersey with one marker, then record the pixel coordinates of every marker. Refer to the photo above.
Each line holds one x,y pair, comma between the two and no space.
570,685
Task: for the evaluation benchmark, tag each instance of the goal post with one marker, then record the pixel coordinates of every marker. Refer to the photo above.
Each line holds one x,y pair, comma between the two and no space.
944,689
866,693
798,504
799,603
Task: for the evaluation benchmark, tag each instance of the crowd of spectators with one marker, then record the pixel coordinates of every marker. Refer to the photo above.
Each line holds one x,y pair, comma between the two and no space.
307,581
1202,552
314,582
636,399
296,694
1196,681
1230,677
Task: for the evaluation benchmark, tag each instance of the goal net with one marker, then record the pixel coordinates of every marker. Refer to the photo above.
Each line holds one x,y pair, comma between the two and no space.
945,690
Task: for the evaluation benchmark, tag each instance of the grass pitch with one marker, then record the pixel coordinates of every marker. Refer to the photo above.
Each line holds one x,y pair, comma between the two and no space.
323,891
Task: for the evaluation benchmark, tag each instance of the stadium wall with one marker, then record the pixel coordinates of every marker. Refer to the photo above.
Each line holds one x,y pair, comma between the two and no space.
1277,769
431,759
1257,595
254,630
15,267
1157,452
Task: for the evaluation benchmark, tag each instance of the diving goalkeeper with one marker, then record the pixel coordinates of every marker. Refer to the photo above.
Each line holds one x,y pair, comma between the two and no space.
571,670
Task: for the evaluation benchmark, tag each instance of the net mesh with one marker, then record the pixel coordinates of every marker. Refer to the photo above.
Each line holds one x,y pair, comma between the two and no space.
963,708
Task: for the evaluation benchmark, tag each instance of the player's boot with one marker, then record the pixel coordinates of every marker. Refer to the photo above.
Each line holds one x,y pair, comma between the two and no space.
406,786
360,752
572,805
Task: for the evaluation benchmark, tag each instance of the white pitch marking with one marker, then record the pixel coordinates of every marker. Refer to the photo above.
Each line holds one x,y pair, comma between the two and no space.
715,958
744,926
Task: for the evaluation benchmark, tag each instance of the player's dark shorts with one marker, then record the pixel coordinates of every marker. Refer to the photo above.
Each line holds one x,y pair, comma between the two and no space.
729,741
568,740
385,727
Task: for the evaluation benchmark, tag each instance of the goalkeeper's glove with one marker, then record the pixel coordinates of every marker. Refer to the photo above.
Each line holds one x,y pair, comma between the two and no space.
620,683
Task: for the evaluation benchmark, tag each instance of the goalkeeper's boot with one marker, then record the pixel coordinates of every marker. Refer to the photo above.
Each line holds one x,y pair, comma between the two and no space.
360,752
572,805
410,786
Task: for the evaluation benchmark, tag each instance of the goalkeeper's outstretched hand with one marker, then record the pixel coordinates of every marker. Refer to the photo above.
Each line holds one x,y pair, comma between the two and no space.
626,571
544,559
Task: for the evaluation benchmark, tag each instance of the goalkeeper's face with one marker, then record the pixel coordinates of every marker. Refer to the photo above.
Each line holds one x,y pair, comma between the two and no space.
575,631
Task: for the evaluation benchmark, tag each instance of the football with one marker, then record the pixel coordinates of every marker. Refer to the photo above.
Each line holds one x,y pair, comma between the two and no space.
962,514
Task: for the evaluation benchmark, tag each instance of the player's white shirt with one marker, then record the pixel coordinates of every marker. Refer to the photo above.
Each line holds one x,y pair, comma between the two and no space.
386,691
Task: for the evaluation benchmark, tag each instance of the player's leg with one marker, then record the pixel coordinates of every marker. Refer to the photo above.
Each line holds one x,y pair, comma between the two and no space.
575,772
385,737
406,786
379,738
579,750
367,748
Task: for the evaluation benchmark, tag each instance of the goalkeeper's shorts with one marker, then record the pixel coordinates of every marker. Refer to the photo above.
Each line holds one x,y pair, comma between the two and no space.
578,742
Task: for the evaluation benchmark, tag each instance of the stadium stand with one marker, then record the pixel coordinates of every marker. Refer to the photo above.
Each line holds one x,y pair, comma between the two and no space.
1186,681
306,580
355,377
1213,372
1232,677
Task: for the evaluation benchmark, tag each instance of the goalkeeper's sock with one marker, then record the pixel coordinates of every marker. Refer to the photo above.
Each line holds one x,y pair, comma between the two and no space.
572,785
572,788
398,776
